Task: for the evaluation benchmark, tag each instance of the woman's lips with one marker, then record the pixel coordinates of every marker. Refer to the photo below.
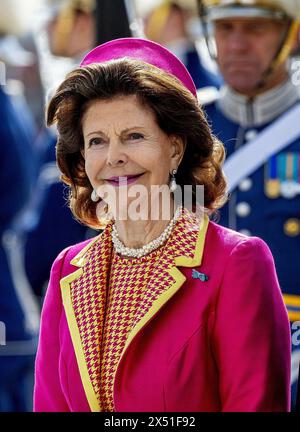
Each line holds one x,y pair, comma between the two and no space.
123,180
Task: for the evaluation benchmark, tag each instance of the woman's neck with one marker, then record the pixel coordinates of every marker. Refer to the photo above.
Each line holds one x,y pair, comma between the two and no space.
137,233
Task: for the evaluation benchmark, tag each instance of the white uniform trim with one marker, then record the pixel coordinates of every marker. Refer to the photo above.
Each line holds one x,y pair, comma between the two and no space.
265,108
271,140
207,95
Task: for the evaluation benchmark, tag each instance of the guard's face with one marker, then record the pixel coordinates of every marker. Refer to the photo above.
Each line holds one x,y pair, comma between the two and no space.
245,50
123,144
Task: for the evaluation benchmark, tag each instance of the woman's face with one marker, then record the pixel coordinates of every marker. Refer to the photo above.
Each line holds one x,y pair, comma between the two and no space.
124,146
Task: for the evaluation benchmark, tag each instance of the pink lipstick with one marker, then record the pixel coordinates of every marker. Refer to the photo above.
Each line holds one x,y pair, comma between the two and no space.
123,180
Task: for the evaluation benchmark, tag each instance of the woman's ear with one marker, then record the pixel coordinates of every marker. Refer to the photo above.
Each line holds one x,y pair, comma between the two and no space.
82,153
178,149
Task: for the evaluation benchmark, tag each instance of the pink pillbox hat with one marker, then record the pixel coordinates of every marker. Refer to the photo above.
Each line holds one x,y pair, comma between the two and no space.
144,50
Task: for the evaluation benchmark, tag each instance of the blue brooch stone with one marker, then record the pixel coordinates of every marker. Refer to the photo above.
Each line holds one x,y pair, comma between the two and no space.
197,275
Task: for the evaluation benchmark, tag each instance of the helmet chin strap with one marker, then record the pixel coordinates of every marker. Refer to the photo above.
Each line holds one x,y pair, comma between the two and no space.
282,53
202,16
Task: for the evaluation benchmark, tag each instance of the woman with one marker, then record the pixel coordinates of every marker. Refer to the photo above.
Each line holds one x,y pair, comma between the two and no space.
154,314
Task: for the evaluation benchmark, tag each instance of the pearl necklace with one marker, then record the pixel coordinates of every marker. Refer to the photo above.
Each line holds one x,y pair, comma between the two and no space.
146,249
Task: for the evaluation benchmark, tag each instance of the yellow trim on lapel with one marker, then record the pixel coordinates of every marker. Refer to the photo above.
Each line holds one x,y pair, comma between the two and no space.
157,304
185,261
80,260
179,279
65,283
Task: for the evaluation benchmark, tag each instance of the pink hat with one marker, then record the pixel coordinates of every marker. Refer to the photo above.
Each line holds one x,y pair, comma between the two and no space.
144,50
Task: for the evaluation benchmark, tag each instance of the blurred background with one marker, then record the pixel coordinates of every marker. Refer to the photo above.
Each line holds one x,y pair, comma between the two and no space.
40,41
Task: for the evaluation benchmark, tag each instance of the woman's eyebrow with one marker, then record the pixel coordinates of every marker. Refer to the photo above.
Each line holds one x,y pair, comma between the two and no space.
131,128
99,132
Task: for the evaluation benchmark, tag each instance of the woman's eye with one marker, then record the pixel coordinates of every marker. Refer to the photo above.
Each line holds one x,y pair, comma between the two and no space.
136,136
95,141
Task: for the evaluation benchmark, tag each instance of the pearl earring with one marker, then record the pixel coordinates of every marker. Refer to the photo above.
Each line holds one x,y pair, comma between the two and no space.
94,196
173,184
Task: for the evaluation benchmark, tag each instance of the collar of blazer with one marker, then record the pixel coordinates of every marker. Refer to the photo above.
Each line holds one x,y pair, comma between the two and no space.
84,293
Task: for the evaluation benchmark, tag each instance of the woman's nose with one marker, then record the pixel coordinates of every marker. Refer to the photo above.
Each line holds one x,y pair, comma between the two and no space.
115,154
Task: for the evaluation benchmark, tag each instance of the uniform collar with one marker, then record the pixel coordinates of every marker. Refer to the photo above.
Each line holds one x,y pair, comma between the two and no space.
263,109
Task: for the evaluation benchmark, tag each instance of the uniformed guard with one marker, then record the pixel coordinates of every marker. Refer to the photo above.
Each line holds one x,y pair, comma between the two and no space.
71,27
257,116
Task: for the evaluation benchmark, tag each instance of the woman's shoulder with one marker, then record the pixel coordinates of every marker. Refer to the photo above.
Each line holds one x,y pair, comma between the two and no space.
225,242
240,263
68,258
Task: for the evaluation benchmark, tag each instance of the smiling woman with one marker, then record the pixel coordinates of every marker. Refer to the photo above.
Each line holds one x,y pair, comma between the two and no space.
102,107
154,313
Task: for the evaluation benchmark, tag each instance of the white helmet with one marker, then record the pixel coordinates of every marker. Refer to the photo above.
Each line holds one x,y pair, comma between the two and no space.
213,10
144,7
218,9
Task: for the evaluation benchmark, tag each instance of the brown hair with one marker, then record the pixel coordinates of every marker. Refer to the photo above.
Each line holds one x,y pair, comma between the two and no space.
176,110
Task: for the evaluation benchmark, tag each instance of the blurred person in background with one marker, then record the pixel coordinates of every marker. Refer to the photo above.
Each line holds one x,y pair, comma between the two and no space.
15,59
22,60
18,310
170,23
51,227
257,116
71,28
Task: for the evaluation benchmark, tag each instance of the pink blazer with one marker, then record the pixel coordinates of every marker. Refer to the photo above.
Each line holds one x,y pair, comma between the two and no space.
221,344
